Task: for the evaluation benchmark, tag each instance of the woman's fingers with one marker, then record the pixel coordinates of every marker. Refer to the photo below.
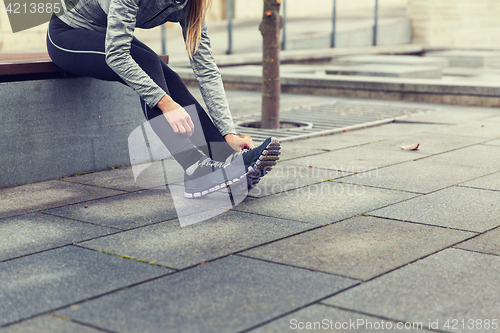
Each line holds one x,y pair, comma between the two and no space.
176,115
247,144
238,142
191,125
181,128
188,125
180,121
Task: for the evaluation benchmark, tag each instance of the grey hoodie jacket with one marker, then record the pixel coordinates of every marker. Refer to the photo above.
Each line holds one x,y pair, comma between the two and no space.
118,19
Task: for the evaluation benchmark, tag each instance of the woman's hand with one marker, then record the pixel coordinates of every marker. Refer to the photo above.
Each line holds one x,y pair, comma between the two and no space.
238,143
176,116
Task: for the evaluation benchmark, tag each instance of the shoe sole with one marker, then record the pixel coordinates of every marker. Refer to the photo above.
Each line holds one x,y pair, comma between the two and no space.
265,163
267,159
215,188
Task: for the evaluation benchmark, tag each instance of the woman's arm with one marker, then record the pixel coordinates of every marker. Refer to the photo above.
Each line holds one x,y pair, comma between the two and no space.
176,116
119,35
210,82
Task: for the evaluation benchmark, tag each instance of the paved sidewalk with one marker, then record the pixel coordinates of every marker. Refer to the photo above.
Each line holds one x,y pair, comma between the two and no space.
347,230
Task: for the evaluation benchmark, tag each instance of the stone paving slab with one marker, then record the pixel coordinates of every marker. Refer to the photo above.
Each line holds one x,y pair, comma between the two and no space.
123,179
25,234
484,128
124,211
453,115
41,282
415,176
490,182
494,119
455,207
486,243
292,150
467,58
323,203
118,179
383,70
286,177
38,196
357,159
49,324
359,248
390,60
453,284
430,143
395,130
301,148
325,318
476,156
493,143
228,295
173,246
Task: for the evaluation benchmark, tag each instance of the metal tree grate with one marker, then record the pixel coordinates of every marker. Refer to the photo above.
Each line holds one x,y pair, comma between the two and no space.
323,119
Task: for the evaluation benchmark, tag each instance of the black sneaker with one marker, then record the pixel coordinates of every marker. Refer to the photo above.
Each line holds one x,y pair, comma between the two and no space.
207,176
257,161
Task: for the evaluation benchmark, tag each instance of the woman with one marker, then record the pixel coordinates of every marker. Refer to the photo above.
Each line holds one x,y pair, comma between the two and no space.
95,39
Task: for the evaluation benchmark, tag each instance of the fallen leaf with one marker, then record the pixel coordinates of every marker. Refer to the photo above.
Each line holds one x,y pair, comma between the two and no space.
411,147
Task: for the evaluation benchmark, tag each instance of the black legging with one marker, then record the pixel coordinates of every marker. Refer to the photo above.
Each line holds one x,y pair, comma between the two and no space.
81,52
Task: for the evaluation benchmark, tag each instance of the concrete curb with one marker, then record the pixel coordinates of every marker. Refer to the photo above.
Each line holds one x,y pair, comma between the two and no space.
471,93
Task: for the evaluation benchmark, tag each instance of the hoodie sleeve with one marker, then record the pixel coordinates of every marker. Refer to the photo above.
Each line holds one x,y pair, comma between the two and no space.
119,35
210,82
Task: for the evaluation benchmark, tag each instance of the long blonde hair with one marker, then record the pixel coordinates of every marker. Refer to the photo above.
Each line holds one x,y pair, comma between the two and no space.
196,11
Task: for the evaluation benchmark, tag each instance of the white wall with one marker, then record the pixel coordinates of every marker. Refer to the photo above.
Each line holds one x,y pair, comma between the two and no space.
458,23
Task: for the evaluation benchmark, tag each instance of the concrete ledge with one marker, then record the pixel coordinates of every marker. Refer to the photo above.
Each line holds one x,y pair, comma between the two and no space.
381,59
304,56
468,58
470,93
383,70
63,127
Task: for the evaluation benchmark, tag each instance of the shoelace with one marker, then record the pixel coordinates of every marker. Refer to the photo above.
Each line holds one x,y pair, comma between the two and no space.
238,153
235,155
210,163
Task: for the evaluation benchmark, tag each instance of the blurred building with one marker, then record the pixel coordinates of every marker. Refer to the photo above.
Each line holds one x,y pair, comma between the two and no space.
248,9
455,23
447,23
34,39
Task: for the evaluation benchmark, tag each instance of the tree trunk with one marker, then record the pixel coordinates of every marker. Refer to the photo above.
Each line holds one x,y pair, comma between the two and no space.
271,87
